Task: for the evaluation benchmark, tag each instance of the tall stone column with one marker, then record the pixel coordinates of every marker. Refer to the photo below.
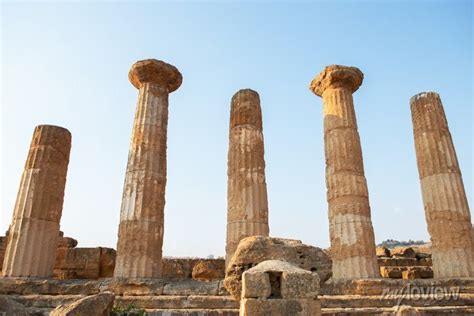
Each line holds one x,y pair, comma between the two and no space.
140,239
446,208
350,225
247,206
34,231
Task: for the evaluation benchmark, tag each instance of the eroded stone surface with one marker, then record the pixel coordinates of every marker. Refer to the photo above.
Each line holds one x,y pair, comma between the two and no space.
84,263
350,224
190,294
280,307
208,270
403,252
275,287
156,72
139,247
406,272
406,310
373,287
247,205
337,76
284,280
382,252
9,307
33,233
184,268
444,197
256,285
66,242
97,305
253,250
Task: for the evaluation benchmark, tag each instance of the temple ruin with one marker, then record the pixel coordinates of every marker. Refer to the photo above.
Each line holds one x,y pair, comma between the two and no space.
45,273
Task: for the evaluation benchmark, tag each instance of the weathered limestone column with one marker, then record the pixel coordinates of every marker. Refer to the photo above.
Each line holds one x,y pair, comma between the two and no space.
34,231
247,206
446,208
350,225
140,240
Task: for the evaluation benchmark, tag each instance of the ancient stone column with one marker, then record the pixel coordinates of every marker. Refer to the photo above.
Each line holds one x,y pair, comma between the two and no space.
140,238
247,206
446,208
34,231
350,225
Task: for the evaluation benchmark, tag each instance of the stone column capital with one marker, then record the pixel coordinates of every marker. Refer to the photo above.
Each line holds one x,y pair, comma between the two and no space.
337,76
156,72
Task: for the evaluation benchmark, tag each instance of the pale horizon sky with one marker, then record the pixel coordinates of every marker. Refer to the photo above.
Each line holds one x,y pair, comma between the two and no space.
67,63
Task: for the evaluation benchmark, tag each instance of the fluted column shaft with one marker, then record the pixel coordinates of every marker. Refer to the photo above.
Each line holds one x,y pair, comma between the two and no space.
350,224
139,248
446,208
34,231
247,205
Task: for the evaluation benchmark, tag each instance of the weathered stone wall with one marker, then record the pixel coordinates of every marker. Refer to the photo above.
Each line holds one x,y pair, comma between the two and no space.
405,263
92,263
99,262
84,263
197,268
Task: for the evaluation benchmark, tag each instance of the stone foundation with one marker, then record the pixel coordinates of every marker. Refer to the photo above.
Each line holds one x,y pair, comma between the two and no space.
192,297
405,263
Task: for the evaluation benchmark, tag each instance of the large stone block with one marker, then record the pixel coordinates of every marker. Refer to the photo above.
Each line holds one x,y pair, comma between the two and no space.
417,273
201,269
256,285
208,270
276,287
283,279
9,307
66,242
178,267
403,252
253,250
382,252
280,307
391,272
97,305
84,263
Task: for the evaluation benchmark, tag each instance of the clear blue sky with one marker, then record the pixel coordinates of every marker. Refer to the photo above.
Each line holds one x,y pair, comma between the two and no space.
67,64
